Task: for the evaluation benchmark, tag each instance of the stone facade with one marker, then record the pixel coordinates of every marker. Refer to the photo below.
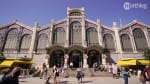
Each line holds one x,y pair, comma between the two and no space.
74,39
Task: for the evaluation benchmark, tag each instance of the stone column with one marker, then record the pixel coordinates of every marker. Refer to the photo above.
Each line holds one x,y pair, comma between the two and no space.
85,65
104,59
66,57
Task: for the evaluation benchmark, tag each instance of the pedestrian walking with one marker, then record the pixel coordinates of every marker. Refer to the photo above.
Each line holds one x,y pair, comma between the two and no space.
79,75
114,71
55,74
146,75
44,72
125,75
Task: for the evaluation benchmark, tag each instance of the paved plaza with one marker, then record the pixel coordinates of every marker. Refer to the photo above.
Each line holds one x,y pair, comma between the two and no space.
86,80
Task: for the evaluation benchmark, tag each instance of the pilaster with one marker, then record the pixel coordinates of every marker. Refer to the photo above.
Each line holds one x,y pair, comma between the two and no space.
33,39
99,32
50,33
83,32
133,41
118,44
67,32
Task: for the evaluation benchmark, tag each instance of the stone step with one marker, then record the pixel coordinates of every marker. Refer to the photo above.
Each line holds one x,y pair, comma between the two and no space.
89,73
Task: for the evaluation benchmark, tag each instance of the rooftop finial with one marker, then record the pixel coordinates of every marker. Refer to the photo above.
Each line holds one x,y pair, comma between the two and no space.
52,20
114,24
135,20
98,21
120,22
36,24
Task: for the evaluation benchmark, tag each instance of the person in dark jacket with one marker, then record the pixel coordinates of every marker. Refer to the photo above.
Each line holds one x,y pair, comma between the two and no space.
12,77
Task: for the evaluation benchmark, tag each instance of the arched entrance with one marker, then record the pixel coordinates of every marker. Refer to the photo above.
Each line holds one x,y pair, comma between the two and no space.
57,58
93,57
76,57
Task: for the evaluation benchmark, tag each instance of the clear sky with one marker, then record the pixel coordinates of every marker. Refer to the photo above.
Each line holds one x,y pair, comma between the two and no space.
29,11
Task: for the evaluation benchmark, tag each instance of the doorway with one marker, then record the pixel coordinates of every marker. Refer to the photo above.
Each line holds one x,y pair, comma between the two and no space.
76,57
57,58
93,57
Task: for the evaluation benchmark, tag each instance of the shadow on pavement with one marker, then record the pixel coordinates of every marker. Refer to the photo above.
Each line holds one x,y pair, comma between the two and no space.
86,81
23,81
63,82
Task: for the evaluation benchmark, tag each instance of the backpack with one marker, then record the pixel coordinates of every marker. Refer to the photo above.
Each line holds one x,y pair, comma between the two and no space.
78,74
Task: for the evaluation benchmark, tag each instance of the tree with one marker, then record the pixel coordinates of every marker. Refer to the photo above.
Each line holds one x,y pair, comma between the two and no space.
147,54
2,57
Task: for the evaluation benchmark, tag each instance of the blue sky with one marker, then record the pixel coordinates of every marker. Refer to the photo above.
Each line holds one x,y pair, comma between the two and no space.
29,11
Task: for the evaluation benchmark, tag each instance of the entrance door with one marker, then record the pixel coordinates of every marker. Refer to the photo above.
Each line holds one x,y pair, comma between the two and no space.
57,58
76,57
93,57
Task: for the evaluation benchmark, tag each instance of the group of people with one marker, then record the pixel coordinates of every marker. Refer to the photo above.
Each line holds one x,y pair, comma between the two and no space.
54,75
143,75
56,72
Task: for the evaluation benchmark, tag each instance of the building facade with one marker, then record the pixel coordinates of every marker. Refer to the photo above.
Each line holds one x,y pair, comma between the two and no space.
74,39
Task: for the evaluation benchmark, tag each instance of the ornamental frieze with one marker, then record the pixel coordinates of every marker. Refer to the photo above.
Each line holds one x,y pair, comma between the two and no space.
76,19
27,31
136,26
88,25
124,31
14,26
104,31
3,31
148,30
47,31
61,24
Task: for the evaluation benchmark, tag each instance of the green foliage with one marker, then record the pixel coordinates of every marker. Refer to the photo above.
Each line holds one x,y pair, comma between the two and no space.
147,54
2,55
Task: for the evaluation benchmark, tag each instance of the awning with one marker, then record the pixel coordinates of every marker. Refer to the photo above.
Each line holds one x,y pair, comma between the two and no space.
6,63
129,62
9,63
144,62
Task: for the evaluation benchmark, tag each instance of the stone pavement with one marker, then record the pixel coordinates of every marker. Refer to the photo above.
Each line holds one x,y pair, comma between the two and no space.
86,80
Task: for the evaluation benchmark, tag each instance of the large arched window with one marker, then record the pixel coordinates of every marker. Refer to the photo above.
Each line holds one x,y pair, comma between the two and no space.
75,36
126,43
75,13
140,40
25,43
42,42
59,36
109,42
11,40
91,36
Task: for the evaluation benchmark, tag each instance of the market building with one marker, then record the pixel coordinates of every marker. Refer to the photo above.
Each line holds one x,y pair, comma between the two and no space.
74,39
